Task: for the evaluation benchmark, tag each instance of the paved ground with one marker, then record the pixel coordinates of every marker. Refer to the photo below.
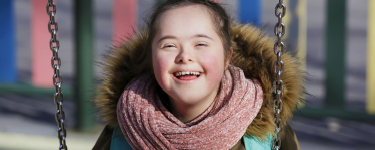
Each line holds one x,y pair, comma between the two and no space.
28,122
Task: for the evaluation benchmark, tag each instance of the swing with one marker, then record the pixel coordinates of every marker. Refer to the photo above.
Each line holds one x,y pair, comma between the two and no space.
279,68
58,97
279,31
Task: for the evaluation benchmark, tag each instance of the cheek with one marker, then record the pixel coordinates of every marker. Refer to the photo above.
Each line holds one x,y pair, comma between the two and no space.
214,66
160,66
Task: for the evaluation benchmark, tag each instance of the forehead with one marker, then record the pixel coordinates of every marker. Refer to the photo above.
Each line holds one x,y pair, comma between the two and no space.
191,8
186,19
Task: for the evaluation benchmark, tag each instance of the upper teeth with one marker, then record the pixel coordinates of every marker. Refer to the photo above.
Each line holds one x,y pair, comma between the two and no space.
181,73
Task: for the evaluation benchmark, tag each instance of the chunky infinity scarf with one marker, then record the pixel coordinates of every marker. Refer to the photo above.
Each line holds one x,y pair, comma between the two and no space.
147,124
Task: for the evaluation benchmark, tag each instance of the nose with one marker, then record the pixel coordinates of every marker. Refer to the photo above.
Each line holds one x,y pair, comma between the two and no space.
185,56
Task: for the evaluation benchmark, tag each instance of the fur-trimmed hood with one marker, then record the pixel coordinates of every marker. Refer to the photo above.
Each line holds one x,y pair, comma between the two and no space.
252,52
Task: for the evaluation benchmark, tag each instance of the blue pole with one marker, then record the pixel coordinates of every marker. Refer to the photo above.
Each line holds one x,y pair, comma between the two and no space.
250,11
8,72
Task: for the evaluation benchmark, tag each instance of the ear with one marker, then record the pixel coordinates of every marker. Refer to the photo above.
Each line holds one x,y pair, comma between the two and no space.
229,58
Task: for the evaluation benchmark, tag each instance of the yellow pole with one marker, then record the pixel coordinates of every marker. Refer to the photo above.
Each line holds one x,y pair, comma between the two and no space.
302,33
287,19
298,12
371,58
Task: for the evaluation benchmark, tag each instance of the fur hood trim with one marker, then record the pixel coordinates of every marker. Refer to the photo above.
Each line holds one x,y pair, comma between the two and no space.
252,52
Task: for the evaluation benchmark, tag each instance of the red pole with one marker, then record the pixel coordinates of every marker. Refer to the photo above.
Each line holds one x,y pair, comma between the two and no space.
41,54
124,21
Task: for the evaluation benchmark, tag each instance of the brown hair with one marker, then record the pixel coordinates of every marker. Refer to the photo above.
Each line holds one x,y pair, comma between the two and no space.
142,58
219,16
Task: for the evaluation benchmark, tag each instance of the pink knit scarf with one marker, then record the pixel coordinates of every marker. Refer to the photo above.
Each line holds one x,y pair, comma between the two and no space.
147,124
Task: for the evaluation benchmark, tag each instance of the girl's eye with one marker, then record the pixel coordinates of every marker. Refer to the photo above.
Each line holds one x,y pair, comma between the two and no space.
168,45
201,44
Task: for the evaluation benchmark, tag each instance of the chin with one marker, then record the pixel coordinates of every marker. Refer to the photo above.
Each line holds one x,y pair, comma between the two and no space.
190,101
187,99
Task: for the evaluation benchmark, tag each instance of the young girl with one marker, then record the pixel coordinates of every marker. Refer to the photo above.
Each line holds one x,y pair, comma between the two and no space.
193,81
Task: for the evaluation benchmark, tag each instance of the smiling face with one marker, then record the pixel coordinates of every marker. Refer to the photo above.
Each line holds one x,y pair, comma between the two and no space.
188,56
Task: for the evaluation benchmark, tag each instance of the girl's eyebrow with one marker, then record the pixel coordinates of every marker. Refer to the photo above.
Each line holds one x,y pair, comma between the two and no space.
166,37
204,36
194,36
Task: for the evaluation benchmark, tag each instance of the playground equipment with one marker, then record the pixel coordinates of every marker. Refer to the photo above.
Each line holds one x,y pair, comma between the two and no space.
279,30
7,54
280,11
370,107
334,101
58,98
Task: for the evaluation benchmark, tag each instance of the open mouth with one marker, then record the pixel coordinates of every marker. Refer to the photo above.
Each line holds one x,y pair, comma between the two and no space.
187,75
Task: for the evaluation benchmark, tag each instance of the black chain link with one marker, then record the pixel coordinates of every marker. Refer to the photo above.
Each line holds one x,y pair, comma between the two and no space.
54,45
278,84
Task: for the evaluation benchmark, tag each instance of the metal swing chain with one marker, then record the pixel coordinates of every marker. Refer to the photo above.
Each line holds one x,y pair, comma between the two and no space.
278,84
54,45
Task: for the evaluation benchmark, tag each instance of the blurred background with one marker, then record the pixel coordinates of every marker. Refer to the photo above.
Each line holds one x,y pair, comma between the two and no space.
337,38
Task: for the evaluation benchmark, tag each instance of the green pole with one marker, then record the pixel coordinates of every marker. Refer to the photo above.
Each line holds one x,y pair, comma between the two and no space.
335,54
84,64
